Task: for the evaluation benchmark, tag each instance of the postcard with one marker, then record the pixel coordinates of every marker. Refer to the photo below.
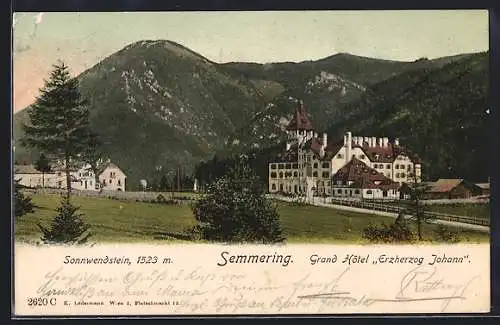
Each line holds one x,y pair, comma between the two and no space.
250,163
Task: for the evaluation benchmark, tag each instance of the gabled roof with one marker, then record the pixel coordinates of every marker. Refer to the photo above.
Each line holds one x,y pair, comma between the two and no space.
362,176
108,165
445,185
300,120
25,169
484,186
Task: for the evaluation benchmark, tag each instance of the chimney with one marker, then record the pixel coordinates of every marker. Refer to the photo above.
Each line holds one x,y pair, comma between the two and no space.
367,140
321,152
325,138
379,142
315,134
288,146
374,142
385,142
348,147
396,142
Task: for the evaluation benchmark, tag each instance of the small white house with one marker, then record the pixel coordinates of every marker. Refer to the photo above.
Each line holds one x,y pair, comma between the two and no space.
84,179
112,178
28,176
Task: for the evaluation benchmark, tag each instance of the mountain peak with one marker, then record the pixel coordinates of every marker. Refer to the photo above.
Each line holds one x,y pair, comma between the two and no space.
174,47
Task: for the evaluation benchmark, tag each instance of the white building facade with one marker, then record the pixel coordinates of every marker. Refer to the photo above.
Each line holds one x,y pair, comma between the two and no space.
308,156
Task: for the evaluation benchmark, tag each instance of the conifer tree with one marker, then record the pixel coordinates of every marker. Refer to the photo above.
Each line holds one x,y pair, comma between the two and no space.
67,227
59,126
59,120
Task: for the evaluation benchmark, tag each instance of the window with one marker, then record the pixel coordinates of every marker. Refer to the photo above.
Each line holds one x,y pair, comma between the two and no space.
356,191
326,165
273,186
320,183
81,183
409,168
90,183
273,175
315,174
280,166
281,174
369,192
345,191
288,166
295,174
315,165
388,166
362,156
326,174
119,182
339,191
294,165
403,175
273,166
110,181
80,174
397,166
397,175
340,156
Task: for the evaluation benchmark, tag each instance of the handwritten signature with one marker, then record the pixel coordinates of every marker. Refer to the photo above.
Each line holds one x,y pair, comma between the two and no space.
420,284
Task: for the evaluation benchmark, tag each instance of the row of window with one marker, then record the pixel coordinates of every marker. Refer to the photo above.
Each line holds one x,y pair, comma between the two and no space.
294,165
408,167
295,189
339,191
284,166
295,174
381,166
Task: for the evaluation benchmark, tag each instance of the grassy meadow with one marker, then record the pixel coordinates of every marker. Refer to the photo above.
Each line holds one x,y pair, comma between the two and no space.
131,221
477,210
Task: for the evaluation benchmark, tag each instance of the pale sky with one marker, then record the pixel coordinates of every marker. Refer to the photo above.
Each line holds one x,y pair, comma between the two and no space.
83,39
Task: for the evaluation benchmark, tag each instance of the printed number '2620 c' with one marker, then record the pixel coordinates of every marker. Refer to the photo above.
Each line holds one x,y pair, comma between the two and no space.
41,301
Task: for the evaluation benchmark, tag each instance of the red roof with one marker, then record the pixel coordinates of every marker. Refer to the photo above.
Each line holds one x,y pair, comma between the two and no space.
362,176
445,185
300,120
386,154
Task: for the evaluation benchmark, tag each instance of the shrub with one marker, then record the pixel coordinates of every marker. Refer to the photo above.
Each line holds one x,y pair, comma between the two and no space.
22,203
236,210
396,233
445,235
